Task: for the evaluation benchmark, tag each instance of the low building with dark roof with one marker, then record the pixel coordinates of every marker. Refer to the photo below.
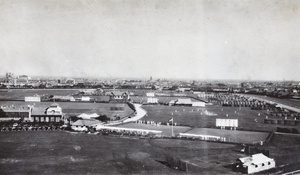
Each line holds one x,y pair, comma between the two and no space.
83,125
15,113
63,98
119,96
53,113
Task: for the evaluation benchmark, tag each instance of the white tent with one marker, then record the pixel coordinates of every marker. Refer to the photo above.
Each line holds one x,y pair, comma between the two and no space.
88,116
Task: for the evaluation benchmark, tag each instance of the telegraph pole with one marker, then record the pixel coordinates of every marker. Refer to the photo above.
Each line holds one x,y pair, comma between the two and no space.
172,126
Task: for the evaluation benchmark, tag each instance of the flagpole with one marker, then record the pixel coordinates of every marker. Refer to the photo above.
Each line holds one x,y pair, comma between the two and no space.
172,126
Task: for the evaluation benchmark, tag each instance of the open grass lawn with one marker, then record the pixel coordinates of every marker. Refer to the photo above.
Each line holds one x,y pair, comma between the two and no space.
67,153
285,149
60,152
210,157
19,94
200,116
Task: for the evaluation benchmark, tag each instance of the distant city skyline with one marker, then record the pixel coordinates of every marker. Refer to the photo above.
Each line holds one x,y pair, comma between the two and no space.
172,39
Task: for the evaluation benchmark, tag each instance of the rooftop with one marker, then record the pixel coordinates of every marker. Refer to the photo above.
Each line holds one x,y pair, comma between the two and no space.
118,93
255,159
86,122
184,101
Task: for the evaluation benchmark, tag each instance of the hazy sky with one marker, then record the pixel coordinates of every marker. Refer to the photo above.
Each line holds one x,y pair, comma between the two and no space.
195,39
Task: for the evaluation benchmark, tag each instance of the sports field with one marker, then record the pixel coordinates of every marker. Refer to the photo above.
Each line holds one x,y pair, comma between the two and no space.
206,116
60,152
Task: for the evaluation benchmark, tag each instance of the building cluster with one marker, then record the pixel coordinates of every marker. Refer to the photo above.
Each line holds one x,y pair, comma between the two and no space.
280,89
109,96
29,113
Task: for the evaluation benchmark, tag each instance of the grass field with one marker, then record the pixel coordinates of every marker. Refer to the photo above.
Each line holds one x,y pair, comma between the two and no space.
65,153
197,116
19,94
285,148
60,152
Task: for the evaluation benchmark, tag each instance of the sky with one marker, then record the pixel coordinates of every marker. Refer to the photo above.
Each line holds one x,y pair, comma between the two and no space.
194,39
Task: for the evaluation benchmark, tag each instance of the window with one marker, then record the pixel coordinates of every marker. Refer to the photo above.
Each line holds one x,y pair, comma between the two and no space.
269,163
263,164
256,166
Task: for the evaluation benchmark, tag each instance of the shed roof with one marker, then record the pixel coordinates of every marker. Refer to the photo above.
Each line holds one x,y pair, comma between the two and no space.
38,110
184,101
118,93
255,159
14,110
63,97
86,122
88,116
54,105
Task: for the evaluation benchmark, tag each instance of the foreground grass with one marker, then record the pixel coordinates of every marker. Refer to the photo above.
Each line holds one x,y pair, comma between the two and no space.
60,152
68,153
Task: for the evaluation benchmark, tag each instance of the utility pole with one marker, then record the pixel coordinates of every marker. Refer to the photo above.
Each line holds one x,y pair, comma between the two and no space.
172,126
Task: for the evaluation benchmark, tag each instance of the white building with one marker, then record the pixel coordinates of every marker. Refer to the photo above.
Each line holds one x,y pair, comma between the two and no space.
200,136
83,125
88,116
85,98
152,100
182,89
233,123
255,163
54,109
150,94
198,103
33,99
63,98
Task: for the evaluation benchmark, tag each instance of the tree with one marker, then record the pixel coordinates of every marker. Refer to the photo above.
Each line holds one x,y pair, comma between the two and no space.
2,113
73,118
103,118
